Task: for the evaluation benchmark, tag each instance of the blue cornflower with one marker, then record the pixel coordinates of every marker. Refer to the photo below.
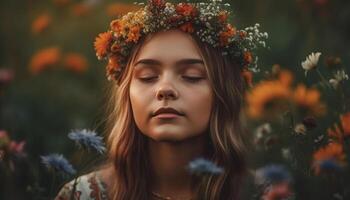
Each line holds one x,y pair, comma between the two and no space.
88,139
58,163
272,174
201,166
329,165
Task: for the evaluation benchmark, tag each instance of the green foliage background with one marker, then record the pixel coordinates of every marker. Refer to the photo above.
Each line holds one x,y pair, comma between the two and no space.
41,109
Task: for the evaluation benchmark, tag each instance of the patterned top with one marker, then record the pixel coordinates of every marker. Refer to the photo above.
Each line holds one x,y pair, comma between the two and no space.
87,187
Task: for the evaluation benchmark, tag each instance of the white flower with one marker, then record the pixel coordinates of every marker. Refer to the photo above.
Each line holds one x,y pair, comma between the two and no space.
300,129
339,76
286,153
334,82
311,61
261,131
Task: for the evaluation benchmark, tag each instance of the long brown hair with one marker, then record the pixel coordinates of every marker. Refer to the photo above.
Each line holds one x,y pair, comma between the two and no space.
128,149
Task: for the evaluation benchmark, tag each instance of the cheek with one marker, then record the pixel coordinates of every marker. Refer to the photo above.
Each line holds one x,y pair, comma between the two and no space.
139,102
200,106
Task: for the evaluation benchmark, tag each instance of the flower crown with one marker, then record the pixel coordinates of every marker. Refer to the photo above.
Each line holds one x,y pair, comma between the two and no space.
208,21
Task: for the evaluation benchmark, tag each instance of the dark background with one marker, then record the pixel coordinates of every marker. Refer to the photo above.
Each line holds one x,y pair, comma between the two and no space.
42,108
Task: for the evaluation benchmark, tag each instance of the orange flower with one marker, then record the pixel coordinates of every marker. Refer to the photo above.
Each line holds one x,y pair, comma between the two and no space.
113,65
43,59
248,77
117,9
333,152
345,122
115,48
75,62
309,100
285,77
186,9
222,16
247,56
81,9
228,33
41,23
335,133
134,34
102,43
267,99
231,30
117,26
242,34
187,27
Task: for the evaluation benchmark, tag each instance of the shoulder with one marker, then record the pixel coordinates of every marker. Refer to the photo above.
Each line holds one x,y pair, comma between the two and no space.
88,187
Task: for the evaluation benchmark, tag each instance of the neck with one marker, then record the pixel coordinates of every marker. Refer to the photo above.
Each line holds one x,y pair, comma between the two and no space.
169,161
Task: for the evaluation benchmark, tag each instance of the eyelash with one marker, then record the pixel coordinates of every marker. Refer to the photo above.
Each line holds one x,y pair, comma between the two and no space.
192,79
187,78
147,79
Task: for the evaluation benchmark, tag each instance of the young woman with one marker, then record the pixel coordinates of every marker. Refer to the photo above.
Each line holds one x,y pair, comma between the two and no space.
176,96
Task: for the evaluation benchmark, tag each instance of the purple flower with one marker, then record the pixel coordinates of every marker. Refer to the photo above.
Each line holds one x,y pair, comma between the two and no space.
88,139
272,174
58,163
201,166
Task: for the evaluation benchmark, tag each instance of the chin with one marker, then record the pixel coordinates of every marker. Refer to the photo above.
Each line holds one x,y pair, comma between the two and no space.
167,137
172,137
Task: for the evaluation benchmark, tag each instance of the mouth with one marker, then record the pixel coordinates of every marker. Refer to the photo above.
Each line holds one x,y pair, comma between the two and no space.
167,116
167,112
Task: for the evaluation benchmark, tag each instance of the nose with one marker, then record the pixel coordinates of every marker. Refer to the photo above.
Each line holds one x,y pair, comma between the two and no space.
167,92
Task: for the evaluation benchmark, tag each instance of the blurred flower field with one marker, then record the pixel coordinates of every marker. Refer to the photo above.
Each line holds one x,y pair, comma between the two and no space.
297,111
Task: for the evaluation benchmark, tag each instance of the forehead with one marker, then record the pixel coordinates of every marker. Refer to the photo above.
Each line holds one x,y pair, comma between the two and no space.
169,45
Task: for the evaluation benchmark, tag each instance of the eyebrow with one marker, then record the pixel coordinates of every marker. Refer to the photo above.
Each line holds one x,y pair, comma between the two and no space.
188,61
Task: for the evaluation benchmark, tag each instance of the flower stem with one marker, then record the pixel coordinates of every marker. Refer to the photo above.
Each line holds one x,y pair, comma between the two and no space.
52,184
324,80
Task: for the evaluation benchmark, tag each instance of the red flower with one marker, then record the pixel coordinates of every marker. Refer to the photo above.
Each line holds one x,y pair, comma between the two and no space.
186,9
242,34
278,191
187,27
222,16
158,3
17,147
6,76
248,58
228,33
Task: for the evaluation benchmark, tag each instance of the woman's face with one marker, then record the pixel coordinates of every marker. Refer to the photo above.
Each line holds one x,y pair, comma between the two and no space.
170,94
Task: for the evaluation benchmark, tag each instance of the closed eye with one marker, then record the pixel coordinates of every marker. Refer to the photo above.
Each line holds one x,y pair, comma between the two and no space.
193,78
147,78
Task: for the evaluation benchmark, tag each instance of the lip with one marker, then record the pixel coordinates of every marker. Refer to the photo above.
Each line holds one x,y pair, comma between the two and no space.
167,113
167,116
